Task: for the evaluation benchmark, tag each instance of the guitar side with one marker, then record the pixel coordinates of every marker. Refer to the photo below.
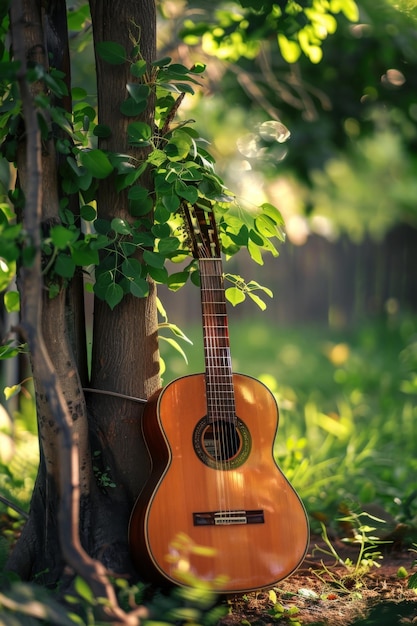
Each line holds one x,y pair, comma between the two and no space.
247,515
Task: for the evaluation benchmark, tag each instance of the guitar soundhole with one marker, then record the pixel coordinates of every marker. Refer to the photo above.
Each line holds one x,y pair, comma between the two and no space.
222,444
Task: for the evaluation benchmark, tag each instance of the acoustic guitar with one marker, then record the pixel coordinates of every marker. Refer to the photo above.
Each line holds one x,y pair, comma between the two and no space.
216,506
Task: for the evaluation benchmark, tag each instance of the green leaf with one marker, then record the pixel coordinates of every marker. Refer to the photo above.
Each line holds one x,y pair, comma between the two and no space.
171,203
177,280
412,581
290,50
101,130
256,237
234,295
7,269
162,62
132,268
138,92
139,209
159,274
62,237
161,214
176,331
103,280
168,245
111,52
137,193
153,259
185,88
348,7
178,148
82,110
64,266
8,351
77,17
139,288
138,69
191,171
102,226
186,191
9,392
178,68
140,202
84,590
156,157
198,68
134,175
97,163
12,301
88,213
120,226
265,226
78,93
261,304
131,108
161,231
83,255
113,295
138,132
175,345
255,252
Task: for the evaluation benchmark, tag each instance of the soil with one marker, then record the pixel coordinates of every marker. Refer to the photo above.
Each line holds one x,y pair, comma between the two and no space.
323,593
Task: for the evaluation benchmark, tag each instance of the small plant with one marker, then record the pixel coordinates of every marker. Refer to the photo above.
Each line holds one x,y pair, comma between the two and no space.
280,612
352,577
412,581
102,475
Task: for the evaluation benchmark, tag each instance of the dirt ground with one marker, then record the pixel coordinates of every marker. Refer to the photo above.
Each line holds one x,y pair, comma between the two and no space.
313,595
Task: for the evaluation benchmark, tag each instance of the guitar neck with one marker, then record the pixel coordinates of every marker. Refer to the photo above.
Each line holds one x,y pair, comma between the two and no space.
218,362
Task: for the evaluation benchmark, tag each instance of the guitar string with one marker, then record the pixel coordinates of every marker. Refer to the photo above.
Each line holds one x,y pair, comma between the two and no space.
210,387
222,382
203,250
217,346
211,399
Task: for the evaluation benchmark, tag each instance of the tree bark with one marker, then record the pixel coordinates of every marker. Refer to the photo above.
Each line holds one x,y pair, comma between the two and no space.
39,549
125,347
125,342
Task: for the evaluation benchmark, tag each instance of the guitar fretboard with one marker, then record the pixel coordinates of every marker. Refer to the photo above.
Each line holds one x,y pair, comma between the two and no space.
218,362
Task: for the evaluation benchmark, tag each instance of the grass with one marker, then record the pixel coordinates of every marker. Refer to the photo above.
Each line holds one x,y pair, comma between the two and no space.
348,411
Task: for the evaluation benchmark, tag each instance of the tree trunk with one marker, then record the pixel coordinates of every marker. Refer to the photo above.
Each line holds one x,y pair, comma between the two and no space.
125,343
125,355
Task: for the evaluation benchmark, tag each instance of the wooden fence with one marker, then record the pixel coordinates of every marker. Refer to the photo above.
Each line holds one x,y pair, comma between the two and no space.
323,282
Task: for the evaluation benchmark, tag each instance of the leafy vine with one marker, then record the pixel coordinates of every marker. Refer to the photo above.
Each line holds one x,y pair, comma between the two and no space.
123,253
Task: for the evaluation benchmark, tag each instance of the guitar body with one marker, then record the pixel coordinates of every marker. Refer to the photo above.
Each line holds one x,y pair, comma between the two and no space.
240,508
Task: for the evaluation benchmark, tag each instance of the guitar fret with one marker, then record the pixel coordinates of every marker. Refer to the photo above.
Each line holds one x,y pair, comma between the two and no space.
219,377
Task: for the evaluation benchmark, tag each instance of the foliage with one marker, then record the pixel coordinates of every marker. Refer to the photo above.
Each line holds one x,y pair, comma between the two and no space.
172,154
412,581
367,558
24,604
237,30
351,155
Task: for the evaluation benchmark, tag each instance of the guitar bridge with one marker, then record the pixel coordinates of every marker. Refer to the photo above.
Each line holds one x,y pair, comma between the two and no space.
228,518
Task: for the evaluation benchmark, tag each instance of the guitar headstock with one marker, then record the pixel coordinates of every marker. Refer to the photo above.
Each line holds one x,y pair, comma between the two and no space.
202,228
